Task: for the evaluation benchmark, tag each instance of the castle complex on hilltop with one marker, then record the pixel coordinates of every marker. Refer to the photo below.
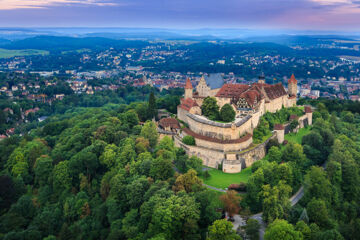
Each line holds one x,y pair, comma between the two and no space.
225,143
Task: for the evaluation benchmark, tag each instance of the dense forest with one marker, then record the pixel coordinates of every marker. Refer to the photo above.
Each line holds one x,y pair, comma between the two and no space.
326,164
98,174
102,173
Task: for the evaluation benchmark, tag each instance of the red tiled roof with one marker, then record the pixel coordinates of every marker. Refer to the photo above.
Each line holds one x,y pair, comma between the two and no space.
308,109
294,117
232,90
169,122
260,85
216,140
279,127
187,104
188,84
275,91
292,79
252,97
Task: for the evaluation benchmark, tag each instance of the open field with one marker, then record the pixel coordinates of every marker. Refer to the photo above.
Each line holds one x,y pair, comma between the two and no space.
5,53
222,180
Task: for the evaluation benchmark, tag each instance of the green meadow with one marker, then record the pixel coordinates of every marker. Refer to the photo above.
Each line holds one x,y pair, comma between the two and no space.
5,53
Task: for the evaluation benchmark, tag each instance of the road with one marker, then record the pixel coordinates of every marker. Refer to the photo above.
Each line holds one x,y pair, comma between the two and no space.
239,221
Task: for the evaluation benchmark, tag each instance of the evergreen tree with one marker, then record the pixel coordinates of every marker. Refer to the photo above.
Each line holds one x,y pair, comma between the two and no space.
152,108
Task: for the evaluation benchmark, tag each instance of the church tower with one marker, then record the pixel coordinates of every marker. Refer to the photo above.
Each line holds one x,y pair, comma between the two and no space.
292,86
188,89
261,79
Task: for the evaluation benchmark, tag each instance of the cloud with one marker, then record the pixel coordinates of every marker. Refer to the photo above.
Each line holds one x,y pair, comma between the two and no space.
332,2
21,4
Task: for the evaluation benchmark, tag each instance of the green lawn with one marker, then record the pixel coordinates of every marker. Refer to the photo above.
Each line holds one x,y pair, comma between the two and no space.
5,53
222,180
297,137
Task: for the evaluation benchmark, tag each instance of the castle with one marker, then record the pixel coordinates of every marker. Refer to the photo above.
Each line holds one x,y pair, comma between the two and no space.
226,143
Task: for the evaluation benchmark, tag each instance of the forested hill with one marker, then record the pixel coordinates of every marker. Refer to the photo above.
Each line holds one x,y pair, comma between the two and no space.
101,175
52,43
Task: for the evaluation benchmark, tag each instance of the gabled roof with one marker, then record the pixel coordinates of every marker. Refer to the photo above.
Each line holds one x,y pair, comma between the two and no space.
232,90
293,117
275,91
188,103
188,84
169,122
251,96
292,79
279,127
214,80
308,109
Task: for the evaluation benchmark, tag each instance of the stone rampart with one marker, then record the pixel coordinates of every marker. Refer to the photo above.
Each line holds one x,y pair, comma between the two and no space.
221,145
210,157
223,131
231,166
248,157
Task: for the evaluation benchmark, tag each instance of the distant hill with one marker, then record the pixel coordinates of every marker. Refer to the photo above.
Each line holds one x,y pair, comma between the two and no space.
303,40
52,43
4,41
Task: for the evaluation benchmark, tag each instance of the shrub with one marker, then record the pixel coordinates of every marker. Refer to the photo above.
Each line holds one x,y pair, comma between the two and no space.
207,174
293,125
210,109
189,140
227,113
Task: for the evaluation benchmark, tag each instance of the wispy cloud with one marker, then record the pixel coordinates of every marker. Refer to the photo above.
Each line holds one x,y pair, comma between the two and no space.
18,4
339,7
332,2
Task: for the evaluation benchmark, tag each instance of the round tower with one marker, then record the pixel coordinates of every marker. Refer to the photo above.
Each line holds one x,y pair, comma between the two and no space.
188,89
292,86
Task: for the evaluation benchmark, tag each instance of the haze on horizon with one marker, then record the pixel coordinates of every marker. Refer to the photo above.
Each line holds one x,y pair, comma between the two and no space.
343,15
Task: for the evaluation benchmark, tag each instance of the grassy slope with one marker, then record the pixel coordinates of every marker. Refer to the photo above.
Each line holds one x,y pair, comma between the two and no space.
4,53
222,180
297,137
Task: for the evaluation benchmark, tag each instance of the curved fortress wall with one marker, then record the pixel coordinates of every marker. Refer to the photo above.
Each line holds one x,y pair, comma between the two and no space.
222,131
220,145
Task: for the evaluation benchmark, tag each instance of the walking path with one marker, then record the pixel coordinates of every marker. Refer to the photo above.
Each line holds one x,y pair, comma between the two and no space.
239,221
214,188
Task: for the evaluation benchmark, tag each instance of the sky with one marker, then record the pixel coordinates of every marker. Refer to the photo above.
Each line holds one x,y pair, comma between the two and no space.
266,14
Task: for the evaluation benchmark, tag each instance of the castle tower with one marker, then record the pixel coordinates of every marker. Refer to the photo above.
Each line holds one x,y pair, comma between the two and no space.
292,86
261,79
308,112
188,89
280,132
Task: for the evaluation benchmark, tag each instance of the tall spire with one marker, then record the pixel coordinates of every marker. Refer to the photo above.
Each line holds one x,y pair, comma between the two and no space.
188,84
292,79
292,86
